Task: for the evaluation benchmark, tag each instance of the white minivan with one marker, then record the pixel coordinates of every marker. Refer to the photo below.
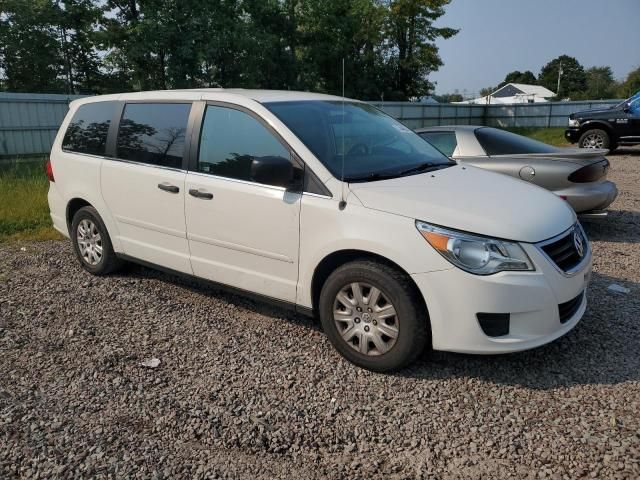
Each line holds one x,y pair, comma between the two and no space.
323,204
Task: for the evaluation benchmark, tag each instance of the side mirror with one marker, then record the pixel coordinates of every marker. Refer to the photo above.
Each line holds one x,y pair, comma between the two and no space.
277,171
626,107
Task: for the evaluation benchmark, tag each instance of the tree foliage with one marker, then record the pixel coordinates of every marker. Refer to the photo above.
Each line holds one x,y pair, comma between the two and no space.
573,80
85,46
631,84
517,76
600,83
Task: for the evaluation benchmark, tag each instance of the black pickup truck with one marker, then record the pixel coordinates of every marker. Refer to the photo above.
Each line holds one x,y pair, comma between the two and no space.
608,127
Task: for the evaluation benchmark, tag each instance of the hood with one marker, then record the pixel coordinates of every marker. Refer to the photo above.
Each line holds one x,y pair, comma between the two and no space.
472,200
596,112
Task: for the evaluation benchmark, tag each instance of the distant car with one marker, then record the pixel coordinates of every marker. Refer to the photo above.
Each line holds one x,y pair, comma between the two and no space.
606,127
578,176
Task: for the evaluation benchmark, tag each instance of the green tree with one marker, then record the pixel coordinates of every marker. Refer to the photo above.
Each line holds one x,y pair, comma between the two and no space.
573,79
487,91
631,84
412,53
30,52
526,77
600,83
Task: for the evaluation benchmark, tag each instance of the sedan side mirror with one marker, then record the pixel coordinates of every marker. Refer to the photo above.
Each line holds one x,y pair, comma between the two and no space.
626,107
277,171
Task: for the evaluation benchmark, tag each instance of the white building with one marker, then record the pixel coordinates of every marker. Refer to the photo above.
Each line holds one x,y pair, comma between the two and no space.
514,93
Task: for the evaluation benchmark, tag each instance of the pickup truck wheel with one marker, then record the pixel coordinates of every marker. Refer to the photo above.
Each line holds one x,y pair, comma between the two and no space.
373,315
92,243
595,138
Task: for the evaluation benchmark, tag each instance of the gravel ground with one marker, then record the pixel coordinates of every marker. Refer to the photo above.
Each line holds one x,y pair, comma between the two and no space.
249,391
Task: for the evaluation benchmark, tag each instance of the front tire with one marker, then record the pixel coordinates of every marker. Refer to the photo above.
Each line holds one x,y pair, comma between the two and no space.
92,244
374,315
595,138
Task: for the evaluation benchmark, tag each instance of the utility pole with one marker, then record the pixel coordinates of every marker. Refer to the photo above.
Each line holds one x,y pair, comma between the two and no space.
559,75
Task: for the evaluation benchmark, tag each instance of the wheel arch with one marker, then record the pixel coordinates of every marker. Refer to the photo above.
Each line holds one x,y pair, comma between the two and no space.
73,206
598,124
337,258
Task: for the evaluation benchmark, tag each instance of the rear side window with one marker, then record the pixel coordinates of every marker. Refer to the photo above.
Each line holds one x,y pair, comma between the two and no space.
87,131
153,133
231,140
444,141
501,142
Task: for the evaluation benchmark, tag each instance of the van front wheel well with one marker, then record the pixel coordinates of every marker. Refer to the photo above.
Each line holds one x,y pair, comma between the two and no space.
336,259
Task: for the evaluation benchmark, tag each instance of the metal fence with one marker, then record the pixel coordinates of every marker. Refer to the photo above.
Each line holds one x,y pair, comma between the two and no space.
29,122
551,114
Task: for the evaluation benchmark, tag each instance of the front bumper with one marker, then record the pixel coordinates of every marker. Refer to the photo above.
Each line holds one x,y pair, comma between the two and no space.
572,135
589,196
531,299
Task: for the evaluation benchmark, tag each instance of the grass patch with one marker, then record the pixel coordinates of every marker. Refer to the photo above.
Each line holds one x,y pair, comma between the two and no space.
552,135
24,211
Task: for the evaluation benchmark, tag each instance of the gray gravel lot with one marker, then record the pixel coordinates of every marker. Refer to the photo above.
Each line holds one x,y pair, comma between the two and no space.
248,391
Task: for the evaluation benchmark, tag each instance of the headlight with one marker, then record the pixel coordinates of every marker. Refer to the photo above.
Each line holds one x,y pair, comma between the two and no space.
573,122
473,253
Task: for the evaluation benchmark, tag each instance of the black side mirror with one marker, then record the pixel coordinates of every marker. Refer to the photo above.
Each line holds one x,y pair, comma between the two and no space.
626,107
277,171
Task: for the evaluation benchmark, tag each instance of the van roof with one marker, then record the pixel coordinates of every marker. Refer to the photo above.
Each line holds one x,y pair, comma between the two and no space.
261,96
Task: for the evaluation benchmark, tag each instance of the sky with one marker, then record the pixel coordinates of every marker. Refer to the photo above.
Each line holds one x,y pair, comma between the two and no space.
500,36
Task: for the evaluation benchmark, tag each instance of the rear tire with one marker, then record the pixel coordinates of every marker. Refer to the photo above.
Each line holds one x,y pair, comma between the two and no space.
374,315
595,138
92,244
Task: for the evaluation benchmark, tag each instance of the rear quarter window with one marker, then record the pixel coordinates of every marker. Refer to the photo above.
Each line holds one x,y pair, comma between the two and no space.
87,130
444,141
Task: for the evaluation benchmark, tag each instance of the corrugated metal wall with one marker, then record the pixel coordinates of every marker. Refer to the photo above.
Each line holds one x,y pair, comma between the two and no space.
551,114
29,122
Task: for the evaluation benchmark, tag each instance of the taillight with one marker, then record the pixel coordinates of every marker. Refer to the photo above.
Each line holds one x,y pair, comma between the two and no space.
48,169
590,173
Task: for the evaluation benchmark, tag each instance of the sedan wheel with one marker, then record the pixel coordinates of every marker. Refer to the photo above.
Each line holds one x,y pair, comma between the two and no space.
365,318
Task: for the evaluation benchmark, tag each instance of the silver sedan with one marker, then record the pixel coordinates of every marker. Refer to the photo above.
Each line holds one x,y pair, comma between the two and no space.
577,175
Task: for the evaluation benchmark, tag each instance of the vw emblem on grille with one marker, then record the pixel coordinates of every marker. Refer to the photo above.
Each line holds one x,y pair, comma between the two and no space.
578,242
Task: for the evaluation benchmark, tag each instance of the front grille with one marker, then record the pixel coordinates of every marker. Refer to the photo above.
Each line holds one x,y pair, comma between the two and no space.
564,252
568,309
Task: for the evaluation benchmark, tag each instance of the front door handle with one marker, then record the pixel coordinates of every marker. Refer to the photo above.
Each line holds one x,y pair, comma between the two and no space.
167,187
194,192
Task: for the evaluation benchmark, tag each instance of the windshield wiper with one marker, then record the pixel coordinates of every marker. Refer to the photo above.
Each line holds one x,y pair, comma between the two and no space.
371,177
424,167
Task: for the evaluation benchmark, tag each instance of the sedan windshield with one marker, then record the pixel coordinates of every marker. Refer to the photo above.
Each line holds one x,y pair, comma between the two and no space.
358,142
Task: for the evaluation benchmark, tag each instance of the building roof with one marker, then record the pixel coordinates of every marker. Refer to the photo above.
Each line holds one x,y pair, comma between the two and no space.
523,88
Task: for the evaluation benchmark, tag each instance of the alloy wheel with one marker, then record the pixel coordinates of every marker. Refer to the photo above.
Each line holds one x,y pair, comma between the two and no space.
593,140
366,319
89,242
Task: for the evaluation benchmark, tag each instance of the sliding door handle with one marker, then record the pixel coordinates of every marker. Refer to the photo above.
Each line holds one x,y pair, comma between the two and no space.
167,187
194,192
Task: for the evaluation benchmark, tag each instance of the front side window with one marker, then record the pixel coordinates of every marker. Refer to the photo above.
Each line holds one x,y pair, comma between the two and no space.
231,140
368,143
444,141
153,133
87,131
501,142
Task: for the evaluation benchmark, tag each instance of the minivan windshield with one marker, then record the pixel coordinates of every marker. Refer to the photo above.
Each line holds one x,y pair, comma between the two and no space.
372,145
